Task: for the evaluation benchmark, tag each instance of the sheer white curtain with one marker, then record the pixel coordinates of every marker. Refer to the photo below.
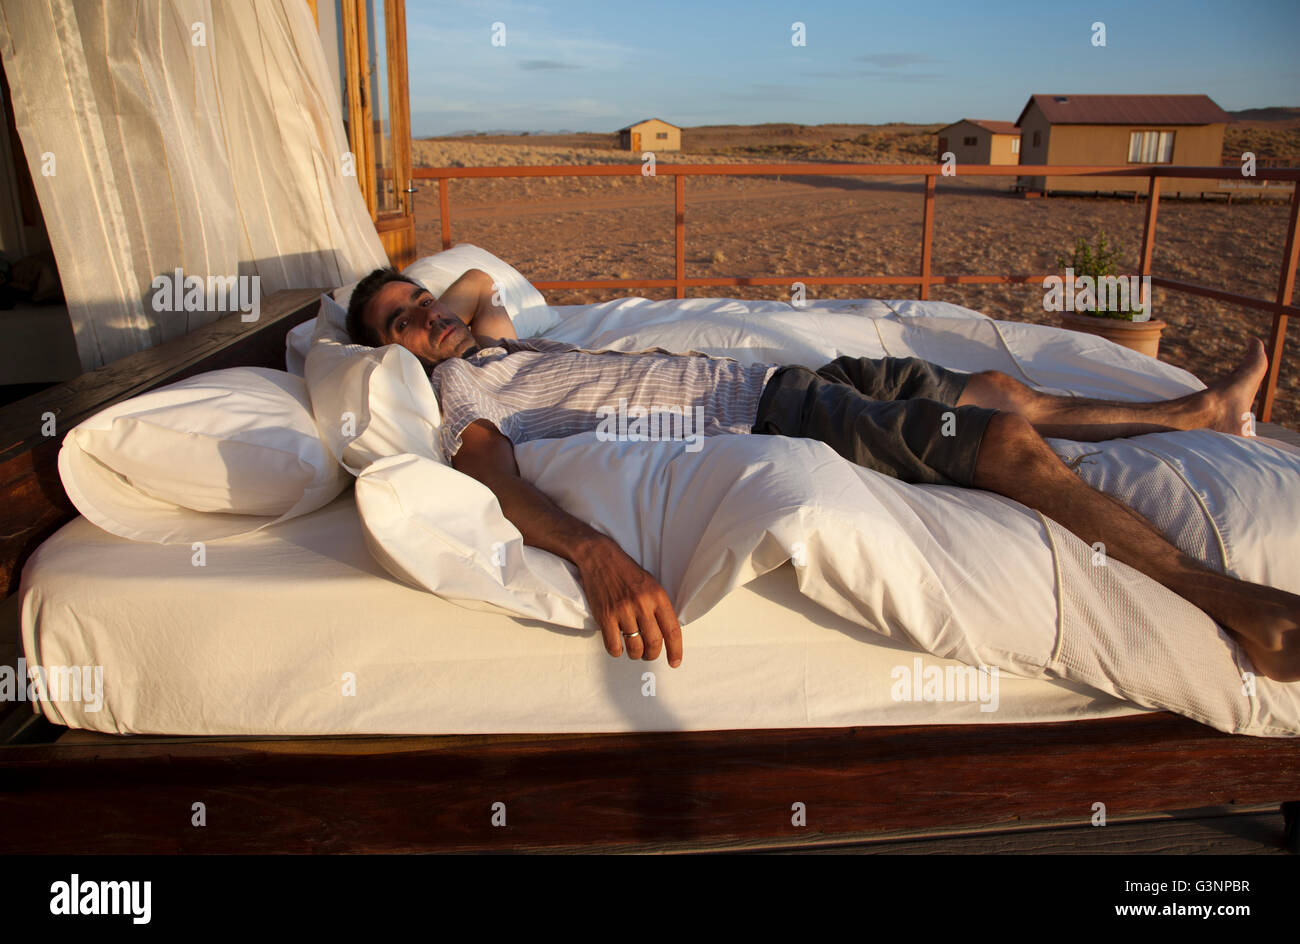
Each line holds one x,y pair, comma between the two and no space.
181,134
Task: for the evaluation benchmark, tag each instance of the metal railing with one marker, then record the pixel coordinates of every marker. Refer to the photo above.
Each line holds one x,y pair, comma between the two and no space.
1280,306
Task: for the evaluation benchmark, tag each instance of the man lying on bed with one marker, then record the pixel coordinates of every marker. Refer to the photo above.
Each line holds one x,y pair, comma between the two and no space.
905,417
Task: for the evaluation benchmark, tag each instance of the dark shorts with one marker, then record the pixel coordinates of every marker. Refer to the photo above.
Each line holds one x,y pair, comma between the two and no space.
895,415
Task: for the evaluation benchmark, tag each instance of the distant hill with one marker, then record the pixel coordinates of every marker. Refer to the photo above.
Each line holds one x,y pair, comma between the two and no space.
783,130
493,132
1271,133
1275,113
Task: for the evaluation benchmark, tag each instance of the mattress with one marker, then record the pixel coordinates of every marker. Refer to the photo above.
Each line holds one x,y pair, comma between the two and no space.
296,630
336,622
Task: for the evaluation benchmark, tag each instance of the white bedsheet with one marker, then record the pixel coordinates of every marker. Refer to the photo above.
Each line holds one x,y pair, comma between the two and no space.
957,573
259,640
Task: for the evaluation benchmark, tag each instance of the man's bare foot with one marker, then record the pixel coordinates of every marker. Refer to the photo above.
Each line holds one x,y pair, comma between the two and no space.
1228,401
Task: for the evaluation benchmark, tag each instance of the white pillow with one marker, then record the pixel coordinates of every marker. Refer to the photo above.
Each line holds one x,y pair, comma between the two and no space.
695,519
369,402
296,345
525,305
440,530
240,442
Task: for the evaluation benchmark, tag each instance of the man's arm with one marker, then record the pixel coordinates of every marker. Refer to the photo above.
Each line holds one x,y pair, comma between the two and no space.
470,298
623,597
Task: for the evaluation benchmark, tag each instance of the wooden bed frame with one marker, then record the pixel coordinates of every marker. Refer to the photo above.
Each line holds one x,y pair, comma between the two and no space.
860,786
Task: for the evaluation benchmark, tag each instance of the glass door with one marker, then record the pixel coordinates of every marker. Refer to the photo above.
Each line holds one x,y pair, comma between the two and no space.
369,42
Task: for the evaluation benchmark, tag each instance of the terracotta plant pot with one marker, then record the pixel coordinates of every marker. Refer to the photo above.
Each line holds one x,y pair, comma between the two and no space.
1140,336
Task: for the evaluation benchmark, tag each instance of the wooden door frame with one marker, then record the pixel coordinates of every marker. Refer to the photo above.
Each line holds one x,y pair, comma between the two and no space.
399,99
353,27
396,228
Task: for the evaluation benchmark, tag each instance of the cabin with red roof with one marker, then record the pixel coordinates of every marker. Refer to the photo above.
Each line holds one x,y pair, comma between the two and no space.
1121,129
980,141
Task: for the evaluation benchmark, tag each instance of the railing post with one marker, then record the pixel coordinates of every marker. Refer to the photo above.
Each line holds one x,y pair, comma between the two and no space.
679,196
1149,237
1285,286
1149,228
927,230
444,210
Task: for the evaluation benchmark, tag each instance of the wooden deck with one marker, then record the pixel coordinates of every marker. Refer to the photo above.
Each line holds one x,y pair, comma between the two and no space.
1281,433
1215,831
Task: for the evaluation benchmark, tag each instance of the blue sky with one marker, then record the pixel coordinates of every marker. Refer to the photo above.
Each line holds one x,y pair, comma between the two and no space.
593,66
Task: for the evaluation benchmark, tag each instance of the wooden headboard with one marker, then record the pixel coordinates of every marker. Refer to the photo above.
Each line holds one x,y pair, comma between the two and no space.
33,504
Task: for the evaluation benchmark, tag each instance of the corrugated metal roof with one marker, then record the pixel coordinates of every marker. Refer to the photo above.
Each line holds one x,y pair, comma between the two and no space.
997,127
1127,109
644,120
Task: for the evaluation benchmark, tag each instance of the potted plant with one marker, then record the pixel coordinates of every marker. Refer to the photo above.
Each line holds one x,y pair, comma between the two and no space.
1095,300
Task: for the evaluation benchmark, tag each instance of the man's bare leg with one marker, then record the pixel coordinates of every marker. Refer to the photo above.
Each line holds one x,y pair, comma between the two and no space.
1015,461
1220,406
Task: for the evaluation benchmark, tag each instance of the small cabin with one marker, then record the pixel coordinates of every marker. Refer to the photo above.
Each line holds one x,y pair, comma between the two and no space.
981,141
1120,129
653,134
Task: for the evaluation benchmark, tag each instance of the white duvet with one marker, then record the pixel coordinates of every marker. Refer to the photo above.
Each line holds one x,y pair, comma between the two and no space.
959,573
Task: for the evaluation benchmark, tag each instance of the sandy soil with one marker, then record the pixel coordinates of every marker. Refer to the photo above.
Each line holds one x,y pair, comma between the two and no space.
554,229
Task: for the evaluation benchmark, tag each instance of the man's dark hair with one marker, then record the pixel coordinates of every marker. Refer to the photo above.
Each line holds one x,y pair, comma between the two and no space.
362,295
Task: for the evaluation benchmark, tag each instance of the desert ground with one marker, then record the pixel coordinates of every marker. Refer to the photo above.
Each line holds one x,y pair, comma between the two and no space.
622,227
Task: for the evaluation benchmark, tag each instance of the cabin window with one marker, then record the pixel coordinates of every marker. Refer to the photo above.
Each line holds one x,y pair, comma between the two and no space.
1151,147
1038,138
661,136
968,142
1015,145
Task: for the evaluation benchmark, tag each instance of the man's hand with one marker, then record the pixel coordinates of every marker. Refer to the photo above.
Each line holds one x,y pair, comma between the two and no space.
471,299
623,598
628,604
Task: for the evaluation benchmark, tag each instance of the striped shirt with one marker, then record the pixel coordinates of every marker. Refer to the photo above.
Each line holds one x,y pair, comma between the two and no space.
543,389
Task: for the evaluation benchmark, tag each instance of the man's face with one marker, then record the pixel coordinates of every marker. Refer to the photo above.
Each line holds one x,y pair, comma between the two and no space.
406,314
